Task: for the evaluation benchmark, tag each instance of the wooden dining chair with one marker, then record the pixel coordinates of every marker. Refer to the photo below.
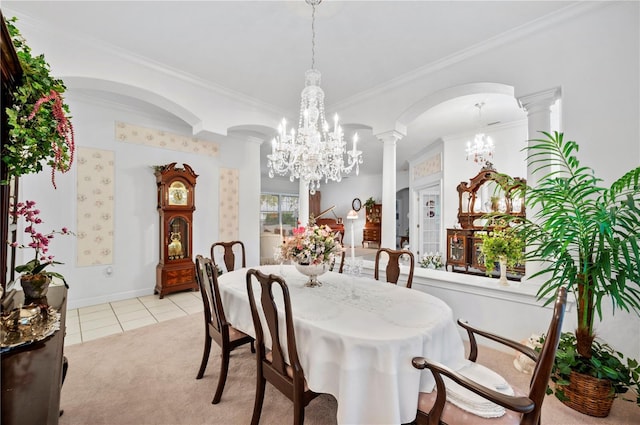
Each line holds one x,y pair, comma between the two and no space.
332,266
522,408
392,271
215,324
288,378
228,251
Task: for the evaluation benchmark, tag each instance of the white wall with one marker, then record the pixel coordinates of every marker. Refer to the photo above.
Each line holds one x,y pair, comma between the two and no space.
594,57
279,185
136,230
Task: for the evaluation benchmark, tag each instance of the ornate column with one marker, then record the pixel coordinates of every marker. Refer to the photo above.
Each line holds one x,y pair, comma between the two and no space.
538,107
249,198
388,224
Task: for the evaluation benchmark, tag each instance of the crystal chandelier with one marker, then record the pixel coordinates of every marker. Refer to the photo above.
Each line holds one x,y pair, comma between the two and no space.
481,148
315,151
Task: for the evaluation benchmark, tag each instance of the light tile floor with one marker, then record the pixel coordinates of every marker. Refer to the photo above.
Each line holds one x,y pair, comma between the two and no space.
87,323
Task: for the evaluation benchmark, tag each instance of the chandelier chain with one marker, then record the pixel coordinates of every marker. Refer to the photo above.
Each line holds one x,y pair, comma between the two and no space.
313,37
316,151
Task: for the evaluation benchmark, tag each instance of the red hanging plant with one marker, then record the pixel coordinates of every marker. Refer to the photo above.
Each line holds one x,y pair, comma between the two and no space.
64,129
40,132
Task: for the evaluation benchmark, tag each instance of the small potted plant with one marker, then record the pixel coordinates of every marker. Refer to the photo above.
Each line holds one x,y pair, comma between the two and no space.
369,203
35,279
605,364
502,247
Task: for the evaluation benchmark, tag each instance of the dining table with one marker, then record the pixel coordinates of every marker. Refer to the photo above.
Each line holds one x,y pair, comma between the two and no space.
356,337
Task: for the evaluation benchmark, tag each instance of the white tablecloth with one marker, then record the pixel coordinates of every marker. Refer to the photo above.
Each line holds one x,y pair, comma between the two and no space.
356,338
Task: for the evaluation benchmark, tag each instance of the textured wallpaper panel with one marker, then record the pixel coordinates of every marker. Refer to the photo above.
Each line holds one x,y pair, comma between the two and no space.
229,204
162,139
427,167
95,206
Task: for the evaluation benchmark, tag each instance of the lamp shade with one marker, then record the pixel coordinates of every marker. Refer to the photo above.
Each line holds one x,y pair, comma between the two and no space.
352,215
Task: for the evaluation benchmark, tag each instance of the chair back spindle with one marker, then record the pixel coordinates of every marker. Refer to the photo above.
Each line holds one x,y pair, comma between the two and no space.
229,251
215,323
281,365
392,270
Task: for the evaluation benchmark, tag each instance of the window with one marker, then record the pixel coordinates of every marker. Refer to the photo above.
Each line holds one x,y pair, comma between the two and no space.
278,212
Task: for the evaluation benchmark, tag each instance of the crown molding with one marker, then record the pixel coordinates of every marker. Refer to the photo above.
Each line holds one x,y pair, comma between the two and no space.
506,37
44,27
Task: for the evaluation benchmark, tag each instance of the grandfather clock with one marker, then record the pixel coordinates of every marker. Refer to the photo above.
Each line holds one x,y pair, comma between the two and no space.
176,203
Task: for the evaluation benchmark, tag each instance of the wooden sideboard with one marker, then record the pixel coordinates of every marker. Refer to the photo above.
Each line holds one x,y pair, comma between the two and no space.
372,231
32,375
464,254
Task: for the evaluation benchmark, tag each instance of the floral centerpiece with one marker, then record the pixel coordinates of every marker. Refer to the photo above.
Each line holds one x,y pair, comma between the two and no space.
311,249
431,261
310,245
34,276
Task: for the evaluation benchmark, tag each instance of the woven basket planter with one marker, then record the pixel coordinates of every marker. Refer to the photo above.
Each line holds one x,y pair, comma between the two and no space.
589,395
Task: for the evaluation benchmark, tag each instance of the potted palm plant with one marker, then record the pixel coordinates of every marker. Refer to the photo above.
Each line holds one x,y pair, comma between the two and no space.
585,237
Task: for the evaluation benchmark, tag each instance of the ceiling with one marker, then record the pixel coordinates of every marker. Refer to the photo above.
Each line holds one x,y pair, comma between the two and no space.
260,49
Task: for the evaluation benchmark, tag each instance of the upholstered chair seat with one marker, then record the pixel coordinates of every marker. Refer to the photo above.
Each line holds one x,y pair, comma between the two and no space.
467,407
475,395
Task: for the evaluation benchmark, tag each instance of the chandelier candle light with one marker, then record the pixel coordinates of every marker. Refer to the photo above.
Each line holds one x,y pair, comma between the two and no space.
315,151
482,147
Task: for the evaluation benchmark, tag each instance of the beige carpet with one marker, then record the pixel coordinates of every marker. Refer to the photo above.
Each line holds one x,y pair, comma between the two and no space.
147,377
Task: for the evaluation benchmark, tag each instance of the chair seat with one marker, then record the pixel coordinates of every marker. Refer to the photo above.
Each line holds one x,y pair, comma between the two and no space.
235,334
269,357
464,406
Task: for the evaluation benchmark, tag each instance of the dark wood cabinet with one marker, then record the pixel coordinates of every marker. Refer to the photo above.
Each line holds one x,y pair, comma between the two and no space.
464,254
458,249
372,231
176,202
32,375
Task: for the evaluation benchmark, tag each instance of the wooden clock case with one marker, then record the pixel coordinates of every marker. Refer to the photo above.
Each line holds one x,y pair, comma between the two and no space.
176,269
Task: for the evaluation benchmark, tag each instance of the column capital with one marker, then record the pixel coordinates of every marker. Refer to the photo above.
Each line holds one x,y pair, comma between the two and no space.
256,140
540,100
389,136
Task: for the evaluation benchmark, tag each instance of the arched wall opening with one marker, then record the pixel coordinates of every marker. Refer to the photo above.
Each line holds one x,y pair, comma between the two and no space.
139,97
454,113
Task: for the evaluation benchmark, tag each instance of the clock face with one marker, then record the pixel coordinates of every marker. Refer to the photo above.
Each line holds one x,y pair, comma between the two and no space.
178,193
